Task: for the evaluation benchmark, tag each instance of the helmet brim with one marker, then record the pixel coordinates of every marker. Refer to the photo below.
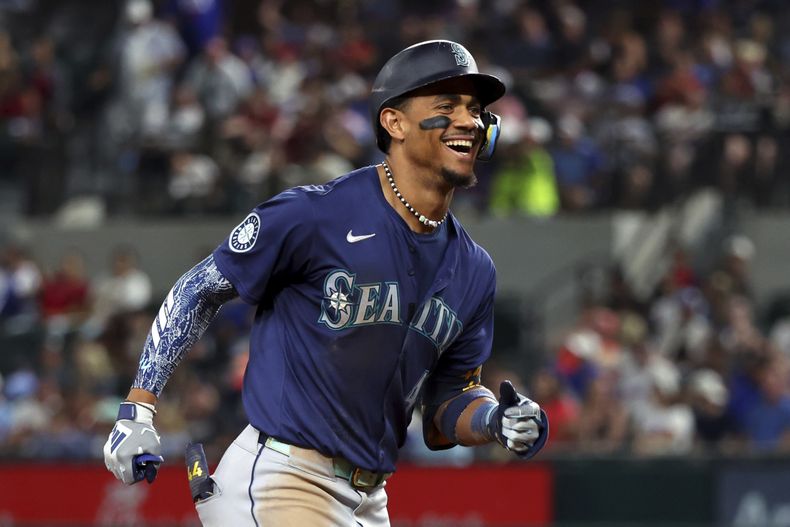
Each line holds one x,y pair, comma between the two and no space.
487,87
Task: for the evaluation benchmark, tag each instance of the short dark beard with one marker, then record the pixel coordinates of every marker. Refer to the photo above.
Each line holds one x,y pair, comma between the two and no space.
459,180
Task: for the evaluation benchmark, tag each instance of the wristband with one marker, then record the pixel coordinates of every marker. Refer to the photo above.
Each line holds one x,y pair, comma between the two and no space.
132,410
484,420
456,407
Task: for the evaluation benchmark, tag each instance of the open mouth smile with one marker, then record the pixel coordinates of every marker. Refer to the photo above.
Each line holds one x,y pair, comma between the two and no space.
461,147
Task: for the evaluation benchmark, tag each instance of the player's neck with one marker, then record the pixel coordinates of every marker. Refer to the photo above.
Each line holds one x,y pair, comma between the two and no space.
424,192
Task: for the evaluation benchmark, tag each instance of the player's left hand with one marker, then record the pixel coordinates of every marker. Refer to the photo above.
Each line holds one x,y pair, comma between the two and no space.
132,452
518,423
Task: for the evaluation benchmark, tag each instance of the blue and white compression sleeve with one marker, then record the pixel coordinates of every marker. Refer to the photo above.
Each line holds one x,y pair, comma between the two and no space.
189,308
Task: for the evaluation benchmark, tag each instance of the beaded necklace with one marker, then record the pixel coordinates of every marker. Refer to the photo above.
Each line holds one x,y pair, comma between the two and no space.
420,217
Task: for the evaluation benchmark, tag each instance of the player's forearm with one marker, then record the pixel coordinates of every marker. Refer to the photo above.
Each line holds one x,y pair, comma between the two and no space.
189,308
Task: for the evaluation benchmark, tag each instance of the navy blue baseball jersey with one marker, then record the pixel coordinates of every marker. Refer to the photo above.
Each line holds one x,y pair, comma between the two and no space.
348,330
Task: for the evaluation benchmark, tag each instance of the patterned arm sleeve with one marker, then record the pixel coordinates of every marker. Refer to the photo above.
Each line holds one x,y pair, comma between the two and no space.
189,308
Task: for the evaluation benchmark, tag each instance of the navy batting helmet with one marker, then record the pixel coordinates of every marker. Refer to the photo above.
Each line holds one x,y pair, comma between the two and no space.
427,63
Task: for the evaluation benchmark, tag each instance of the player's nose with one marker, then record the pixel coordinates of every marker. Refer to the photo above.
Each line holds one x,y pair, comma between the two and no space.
466,120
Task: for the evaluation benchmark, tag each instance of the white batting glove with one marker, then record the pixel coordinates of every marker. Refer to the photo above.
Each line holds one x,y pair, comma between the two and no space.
518,423
133,450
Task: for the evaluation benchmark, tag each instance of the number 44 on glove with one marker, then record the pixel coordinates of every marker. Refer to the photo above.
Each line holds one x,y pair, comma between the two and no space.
518,423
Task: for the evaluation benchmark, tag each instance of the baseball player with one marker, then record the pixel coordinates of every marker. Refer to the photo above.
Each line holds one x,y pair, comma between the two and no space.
371,299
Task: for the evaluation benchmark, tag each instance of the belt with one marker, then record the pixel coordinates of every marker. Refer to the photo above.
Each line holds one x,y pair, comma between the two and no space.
356,477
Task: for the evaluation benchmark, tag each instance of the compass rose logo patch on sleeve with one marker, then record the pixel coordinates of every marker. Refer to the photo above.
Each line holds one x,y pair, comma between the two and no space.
244,235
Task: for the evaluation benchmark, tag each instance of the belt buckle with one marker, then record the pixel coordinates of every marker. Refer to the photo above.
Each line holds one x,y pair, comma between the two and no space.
356,479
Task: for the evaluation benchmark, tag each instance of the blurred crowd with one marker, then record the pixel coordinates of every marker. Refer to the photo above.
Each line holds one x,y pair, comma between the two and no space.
697,368
70,348
180,107
184,107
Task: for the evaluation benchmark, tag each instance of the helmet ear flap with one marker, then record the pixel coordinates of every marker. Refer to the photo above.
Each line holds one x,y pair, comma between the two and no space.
492,127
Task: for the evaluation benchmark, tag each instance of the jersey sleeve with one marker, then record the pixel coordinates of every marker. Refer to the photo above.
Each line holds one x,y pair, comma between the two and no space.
473,346
459,368
269,247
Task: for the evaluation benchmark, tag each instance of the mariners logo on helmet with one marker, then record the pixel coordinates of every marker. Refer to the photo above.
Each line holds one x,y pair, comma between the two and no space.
460,54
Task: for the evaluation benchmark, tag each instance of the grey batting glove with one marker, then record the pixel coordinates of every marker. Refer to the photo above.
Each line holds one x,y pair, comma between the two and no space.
518,423
133,450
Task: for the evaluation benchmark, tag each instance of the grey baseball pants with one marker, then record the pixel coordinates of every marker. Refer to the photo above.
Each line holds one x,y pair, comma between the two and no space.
259,486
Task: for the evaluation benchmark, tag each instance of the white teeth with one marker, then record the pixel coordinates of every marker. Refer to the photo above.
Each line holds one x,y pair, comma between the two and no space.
459,142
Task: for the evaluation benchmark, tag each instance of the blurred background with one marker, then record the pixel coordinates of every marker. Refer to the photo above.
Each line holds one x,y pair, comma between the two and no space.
638,212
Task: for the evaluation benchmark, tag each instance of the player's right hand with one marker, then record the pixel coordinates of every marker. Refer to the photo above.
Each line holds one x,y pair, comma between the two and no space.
133,450
518,424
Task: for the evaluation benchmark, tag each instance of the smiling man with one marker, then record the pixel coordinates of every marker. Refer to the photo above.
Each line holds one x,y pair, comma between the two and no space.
371,299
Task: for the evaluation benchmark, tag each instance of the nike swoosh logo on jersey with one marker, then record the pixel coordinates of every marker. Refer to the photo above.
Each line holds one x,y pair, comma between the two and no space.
350,238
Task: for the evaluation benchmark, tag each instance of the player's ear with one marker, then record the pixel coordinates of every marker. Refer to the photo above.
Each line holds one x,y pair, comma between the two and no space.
392,120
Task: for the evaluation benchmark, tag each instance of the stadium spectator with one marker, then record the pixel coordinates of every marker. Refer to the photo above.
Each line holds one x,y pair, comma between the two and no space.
767,423
20,283
708,397
193,183
197,22
125,288
603,422
561,407
149,53
682,326
185,122
663,423
526,184
65,295
220,79
578,164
